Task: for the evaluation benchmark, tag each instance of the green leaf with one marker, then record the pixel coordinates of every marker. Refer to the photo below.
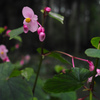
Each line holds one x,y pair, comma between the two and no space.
54,55
56,16
91,52
35,98
15,73
95,41
71,81
18,38
16,32
14,88
27,73
65,96
1,30
58,68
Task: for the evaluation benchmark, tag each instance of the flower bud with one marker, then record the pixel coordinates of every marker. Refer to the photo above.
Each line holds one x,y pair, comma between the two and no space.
91,65
42,36
40,29
47,9
25,28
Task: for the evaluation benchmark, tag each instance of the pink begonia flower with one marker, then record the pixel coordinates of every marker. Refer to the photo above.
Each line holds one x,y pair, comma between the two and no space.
6,59
25,28
91,65
17,46
3,52
22,62
89,79
40,29
30,19
47,9
5,27
42,36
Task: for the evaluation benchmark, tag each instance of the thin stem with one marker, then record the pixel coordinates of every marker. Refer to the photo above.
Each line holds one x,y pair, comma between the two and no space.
92,83
90,95
37,75
73,62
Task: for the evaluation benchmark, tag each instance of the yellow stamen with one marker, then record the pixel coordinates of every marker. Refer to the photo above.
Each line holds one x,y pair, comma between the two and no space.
27,20
2,52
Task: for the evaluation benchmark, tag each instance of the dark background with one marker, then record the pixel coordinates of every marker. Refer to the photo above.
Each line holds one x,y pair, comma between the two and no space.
81,23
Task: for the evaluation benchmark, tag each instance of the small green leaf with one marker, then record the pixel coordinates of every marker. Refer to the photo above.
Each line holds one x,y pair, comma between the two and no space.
1,30
16,32
54,55
56,16
70,81
27,73
95,41
14,88
18,38
35,98
91,52
58,68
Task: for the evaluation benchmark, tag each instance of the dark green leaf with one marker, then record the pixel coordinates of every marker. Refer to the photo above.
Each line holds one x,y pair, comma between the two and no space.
14,88
54,55
16,32
91,52
56,16
15,73
1,30
95,41
71,81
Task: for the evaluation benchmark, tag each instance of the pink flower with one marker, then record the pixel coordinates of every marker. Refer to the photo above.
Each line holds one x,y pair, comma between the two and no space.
80,99
25,28
91,65
64,71
40,29
3,52
42,36
17,46
30,19
7,33
47,9
98,72
6,59
22,62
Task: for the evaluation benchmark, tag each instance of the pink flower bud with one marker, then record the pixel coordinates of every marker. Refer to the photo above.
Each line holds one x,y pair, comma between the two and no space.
80,99
40,29
7,33
91,65
98,72
22,62
25,28
5,27
47,9
89,79
42,36
17,46
6,59
64,71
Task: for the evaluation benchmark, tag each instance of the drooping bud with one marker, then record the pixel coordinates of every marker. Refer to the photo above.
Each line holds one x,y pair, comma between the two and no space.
47,9
25,28
42,36
7,33
91,65
40,29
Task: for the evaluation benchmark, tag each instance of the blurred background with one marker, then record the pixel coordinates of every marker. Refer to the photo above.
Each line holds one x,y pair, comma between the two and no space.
81,23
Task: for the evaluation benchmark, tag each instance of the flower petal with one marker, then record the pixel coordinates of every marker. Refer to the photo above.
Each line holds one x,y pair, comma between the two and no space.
27,12
33,26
